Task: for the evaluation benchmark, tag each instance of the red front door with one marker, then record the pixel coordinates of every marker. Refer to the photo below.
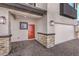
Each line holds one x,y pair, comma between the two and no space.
31,31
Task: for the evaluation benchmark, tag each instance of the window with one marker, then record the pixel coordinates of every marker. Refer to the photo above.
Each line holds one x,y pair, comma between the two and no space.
23,25
71,4
68,11
74,5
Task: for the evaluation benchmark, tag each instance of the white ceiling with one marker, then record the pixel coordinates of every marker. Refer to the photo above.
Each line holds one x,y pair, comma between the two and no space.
24,14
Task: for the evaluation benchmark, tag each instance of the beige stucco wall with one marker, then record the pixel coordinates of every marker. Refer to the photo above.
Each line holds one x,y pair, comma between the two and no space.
21,35
42,24
54,14
4,27
4,30
17,34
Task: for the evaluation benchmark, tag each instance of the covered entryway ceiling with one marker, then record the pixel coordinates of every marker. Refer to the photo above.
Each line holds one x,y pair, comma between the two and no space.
24,8
18,14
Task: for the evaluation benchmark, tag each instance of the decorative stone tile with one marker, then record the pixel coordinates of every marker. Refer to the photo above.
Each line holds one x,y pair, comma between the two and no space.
4,46
46,40
50,41
42,39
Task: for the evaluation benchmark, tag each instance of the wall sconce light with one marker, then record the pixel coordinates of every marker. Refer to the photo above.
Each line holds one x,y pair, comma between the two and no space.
2,20
51,23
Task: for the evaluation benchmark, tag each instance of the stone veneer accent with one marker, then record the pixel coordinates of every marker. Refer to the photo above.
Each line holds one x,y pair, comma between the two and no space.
47,40
50,41
4,45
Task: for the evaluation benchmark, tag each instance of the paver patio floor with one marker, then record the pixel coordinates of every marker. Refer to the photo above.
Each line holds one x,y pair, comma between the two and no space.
33,48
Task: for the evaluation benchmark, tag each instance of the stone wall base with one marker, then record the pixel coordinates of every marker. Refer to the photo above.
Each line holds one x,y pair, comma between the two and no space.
4,46
47,40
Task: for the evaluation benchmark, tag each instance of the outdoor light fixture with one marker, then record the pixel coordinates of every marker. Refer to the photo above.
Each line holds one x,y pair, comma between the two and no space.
2,20
51,23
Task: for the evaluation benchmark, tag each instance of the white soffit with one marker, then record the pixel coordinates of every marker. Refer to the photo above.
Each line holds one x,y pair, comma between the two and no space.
24,14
